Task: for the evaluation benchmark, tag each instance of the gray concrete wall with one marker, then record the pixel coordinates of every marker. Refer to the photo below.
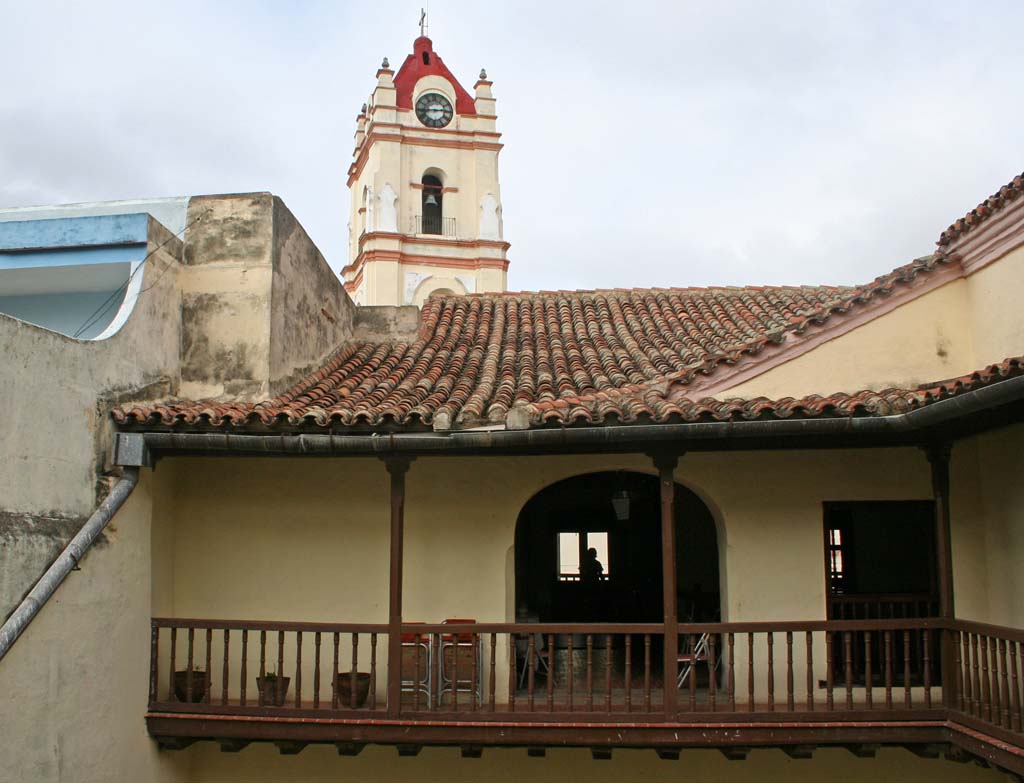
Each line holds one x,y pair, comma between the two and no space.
310,312
57,392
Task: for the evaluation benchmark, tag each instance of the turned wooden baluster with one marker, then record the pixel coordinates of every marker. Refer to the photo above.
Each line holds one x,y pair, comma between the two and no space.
978,692
607,673
455,674
906,669
647,672
154,661
1015,724
174,641
958,666
245,665
810,670
188,672
751,706
888,669
474,673
531,665
590,673
927,670
512,683
771,671
280,654
868,673
334,672
224,670
790,700
373,671
353,677
629,674
571,670
551,672
692,675
968,690
316,672
830,675
492,673
712,679
731,639
848,667
209,672
1004,691
298,669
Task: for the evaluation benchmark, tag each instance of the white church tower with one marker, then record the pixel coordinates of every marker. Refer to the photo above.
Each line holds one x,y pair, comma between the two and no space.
426,206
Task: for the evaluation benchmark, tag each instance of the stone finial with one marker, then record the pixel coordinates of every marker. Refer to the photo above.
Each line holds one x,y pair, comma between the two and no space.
385,63
483,73
363,110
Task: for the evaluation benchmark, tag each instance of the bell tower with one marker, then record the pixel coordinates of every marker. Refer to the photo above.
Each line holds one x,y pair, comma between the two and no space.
426,206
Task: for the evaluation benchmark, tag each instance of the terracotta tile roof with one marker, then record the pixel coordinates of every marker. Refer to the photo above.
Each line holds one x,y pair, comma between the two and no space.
558,358
1009,192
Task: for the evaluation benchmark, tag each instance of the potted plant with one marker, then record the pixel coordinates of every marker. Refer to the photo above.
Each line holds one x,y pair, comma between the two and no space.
344,686
272,688
200,685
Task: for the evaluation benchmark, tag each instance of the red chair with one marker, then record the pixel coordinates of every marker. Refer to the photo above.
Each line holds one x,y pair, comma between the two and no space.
466,650
421,680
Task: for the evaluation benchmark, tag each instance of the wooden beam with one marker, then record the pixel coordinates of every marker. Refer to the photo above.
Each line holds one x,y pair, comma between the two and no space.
862,751
601,754
938,457
290,747
232,745
409,750
735,754
397,467
350,748
666,465
668,754
536,753
472,751
799,751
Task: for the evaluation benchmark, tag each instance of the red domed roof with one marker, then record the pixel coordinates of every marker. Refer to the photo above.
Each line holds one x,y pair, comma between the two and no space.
425,62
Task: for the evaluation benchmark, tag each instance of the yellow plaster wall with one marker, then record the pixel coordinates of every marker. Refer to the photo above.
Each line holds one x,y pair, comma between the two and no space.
76,679
263,764
308,539
924,340
999,506
994,296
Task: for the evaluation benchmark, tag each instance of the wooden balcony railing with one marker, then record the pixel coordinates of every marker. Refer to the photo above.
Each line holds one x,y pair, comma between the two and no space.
829,666
328,682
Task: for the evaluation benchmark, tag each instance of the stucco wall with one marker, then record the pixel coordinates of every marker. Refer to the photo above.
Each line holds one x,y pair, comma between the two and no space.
926,339
56,392
994,296
308,539
74,684
260,306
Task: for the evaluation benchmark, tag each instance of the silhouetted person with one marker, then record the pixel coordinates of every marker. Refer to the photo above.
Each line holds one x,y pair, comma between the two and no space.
591,568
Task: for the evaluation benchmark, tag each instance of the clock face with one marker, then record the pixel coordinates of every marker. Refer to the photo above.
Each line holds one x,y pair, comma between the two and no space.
434,110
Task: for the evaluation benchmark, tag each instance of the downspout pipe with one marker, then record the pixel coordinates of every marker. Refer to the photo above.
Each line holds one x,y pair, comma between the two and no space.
66,561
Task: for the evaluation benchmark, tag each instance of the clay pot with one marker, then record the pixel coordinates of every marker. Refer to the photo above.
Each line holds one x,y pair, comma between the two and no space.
272,690
200,685
344,685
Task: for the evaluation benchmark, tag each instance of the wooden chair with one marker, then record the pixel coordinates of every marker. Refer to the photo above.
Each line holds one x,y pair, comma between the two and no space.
422,678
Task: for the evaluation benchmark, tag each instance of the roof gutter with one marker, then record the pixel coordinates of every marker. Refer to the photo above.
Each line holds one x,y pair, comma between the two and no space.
66,561
135,448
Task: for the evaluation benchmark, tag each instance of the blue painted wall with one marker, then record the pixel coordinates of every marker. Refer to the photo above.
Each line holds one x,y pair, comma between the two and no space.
75,232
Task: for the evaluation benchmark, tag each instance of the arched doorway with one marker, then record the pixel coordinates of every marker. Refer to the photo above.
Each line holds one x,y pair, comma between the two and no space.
618,514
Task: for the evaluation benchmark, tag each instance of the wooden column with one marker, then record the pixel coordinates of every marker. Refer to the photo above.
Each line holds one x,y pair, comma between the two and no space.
397,468
666,465
938,457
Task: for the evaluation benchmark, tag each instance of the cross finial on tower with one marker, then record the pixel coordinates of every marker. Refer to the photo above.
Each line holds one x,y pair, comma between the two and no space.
423,21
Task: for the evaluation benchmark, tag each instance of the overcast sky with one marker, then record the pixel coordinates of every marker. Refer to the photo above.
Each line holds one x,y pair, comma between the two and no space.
646,144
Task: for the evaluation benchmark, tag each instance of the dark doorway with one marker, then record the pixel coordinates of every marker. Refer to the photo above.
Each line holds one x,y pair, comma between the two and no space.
880,564
619,515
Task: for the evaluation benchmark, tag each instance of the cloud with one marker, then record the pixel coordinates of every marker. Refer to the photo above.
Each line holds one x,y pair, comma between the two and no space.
648,144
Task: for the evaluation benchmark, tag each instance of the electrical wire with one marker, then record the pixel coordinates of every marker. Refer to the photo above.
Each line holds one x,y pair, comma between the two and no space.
121,289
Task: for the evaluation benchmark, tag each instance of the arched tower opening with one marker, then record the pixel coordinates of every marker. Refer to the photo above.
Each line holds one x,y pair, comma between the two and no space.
432,207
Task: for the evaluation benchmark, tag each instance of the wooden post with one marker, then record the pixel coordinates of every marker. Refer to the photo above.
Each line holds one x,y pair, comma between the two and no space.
666,465
397,467
938,457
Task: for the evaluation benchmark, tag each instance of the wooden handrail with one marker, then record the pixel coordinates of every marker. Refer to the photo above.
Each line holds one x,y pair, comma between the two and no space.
266,625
